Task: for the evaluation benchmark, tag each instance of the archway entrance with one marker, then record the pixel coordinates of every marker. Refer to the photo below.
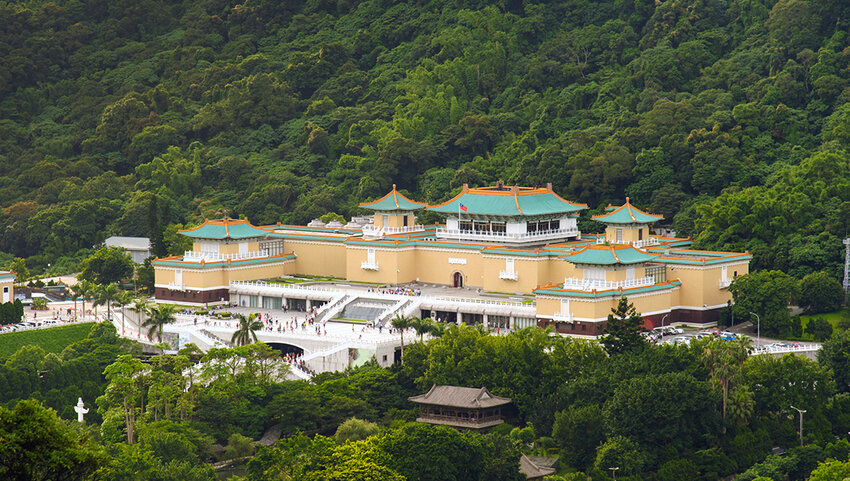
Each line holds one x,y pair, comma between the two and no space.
284,348
457,279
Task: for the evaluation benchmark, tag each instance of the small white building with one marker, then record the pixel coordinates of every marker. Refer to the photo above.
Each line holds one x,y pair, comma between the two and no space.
138,247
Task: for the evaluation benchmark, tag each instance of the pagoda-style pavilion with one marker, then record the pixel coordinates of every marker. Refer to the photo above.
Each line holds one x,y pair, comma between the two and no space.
510,215
460,407
627,224
394,214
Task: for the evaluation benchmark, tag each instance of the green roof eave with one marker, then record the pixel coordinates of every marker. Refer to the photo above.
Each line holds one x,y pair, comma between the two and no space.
225,231
522,205
609,256
627,214
393,201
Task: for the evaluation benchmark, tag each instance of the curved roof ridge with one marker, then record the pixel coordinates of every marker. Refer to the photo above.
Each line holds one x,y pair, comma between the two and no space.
390,201
626,214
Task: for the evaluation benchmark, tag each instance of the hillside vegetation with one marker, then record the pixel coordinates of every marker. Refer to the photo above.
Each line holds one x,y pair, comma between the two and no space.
729,117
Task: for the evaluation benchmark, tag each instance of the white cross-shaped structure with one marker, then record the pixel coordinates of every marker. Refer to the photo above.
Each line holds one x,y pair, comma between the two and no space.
80,410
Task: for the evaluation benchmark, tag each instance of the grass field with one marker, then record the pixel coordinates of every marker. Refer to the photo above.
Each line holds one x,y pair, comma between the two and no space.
832,317
53,339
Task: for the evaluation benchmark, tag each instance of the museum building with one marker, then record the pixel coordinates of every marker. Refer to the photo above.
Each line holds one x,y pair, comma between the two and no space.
501,239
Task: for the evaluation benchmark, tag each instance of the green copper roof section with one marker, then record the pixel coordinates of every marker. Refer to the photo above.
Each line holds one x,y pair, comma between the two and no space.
393,201
7,275
626,214
558,291
225,229
508,202
609,255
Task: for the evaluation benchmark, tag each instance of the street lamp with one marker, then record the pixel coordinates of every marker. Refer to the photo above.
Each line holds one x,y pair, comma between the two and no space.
758,329
613,473
662,319
801,411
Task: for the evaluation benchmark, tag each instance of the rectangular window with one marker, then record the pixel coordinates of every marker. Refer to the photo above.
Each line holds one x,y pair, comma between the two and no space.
531,227
178,277
723,272
386,220
619,235
370,256
243,247
509,265
482,227
640,234
594,274
497,227
630,274
405,221
565,307
465,225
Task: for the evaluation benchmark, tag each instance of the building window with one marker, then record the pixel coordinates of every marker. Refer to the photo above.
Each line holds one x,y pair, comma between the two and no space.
619,235
465,225
640,234
584,327
405,221
497,227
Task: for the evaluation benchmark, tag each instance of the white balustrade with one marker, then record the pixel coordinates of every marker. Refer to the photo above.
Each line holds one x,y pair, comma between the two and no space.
217,257
508,275
372,230
562,317
724,283
590,284
443,232
369,266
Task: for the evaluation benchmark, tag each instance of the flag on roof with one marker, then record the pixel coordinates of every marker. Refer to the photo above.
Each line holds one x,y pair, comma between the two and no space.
463,207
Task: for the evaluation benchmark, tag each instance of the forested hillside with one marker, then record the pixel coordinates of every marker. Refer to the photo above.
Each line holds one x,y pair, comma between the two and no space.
121,117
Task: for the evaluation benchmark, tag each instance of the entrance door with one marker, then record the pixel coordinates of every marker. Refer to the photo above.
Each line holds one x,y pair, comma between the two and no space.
457,279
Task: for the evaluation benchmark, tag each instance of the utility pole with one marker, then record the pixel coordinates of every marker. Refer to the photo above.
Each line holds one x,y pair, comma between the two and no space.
801,411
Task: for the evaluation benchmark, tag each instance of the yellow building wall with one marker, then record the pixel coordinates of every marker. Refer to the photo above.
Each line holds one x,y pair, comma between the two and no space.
630,234
163,276
208,278
387,260
598,309
701,284
317,258
11,286
525,268
434,267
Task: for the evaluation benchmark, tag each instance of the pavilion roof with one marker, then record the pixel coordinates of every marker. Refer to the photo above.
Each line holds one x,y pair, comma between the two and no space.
508,201
626,214
609,255
394,200
460,397
225,229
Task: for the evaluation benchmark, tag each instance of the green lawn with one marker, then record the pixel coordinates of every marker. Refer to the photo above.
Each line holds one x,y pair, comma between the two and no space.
53,339
831,317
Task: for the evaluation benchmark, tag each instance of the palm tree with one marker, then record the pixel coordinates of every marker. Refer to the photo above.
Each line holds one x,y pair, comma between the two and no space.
402,322
109,293
85,289
124,299
247,329
159,316
141,306
76,291
422,326
724,360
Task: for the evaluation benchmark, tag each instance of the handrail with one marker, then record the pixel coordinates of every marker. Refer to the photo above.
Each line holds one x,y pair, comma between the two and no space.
590,284
472,234
215,256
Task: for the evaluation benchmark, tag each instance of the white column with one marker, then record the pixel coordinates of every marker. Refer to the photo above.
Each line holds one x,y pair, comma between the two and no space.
459,318
486,323
511,322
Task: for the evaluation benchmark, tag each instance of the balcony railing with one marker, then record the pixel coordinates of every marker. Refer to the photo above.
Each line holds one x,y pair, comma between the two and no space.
562,317
216,257
508,275
175,287
369,265
638,243
493,236
591,284
371,230
724,283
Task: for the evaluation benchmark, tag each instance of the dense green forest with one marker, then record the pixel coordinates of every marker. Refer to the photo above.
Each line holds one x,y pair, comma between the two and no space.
699,412
729,117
